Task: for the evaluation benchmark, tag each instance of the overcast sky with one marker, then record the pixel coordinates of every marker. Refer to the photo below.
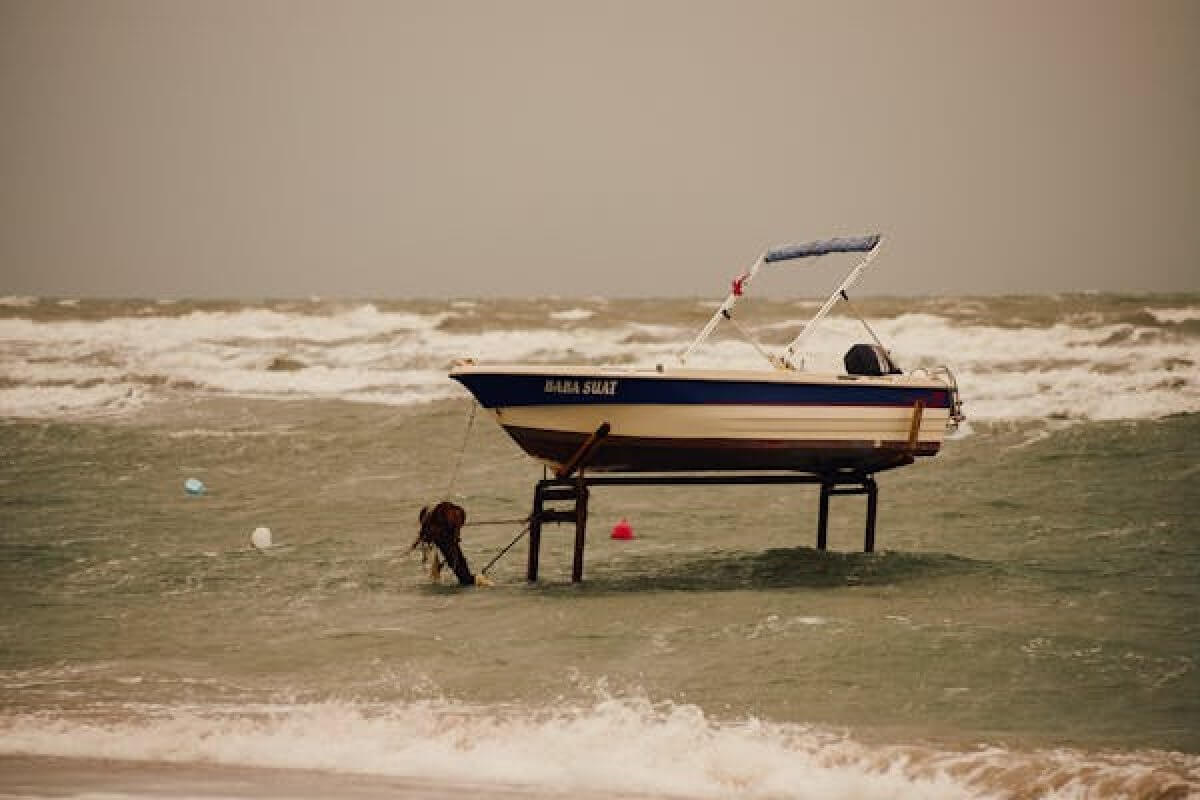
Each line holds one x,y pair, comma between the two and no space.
431,148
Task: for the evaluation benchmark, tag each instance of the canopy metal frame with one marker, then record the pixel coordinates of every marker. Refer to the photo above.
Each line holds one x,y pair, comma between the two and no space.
868,245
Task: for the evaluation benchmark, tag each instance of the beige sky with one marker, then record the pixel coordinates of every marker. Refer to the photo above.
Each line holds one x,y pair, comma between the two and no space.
397,149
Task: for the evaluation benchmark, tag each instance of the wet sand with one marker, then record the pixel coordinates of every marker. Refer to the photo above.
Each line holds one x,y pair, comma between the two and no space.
54,777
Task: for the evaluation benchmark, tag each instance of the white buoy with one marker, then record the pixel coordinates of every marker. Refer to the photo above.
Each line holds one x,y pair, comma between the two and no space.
261,538
194,486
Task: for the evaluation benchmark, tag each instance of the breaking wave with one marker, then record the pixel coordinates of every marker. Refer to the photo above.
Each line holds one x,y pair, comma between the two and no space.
616,745
80,359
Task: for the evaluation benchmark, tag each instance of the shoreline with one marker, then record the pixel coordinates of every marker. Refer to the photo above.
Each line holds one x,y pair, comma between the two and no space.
68,776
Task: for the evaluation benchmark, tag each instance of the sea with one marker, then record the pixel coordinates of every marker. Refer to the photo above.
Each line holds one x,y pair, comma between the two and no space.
1028,626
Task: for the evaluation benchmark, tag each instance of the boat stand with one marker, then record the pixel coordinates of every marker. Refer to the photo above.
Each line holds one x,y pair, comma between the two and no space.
574,493
575,490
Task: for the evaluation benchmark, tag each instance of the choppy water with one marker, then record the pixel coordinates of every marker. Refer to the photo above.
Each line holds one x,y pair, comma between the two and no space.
1028,628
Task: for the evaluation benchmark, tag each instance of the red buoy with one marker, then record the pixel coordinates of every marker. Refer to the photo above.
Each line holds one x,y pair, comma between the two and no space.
622,530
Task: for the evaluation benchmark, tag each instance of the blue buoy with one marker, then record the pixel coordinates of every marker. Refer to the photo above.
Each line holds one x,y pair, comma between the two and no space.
193,486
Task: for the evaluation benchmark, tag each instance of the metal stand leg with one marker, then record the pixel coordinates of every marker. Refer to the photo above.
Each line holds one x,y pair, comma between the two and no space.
581,515
872,500
535,534
823,517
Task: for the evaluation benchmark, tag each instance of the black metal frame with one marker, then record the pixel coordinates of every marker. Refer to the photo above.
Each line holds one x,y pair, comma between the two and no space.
576,490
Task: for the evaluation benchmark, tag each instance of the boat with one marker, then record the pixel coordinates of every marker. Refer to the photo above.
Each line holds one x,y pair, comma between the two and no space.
672,418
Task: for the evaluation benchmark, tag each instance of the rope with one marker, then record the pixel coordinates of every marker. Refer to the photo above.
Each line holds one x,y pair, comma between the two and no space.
749,337
450,487
861,319
499,555
462,450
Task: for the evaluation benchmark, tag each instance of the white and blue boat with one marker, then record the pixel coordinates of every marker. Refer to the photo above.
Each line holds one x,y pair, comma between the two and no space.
679,418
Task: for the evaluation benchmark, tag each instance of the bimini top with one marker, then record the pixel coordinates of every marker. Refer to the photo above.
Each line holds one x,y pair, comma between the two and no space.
845,244
868,245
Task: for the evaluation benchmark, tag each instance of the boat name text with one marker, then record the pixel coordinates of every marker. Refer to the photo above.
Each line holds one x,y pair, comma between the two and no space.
554,386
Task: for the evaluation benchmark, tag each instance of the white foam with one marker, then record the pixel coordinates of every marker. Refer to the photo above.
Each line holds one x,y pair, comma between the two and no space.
773,625
1019,373
69,400
78,366
1072,371
18,301
210,433
572,314
615,745
1174,314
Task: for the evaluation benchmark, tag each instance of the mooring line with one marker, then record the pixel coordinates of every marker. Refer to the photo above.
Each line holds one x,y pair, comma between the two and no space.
499,555
462,450
496,522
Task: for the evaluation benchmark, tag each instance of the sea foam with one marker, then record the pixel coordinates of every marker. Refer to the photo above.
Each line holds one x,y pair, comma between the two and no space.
1080,369
617,745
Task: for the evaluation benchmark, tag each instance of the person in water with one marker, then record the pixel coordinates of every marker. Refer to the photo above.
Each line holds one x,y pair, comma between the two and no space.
441,527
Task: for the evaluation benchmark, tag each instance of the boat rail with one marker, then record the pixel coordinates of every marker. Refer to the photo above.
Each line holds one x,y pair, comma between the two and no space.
943,372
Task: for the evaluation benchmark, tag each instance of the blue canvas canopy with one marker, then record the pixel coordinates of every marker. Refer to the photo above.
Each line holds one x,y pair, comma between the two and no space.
845,244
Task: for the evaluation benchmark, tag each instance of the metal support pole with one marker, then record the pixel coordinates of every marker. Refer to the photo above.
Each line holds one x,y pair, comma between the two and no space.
535,533
581,515
872,499
823,516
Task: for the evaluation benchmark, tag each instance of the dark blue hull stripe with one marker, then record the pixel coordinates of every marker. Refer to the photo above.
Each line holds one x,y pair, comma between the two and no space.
500,390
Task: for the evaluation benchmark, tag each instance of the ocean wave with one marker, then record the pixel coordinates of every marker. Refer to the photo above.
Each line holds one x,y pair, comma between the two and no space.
572,314
18,301
399,355
69,401
617,745
1174,315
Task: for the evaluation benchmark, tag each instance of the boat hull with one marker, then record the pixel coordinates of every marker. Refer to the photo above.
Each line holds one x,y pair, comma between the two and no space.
698,420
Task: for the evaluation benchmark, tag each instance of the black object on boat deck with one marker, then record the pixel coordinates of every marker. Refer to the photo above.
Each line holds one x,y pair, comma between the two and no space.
574,491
